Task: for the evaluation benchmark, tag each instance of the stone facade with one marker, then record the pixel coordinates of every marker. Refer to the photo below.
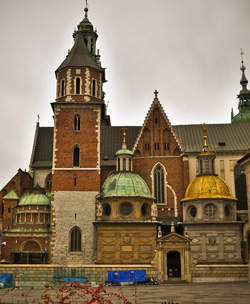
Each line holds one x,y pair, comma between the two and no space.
73,209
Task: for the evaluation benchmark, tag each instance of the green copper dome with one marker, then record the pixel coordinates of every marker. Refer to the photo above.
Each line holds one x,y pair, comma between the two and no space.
125,184
36,199
124,151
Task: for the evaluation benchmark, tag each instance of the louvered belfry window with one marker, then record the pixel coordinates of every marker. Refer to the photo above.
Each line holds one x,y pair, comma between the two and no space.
75,240
159,185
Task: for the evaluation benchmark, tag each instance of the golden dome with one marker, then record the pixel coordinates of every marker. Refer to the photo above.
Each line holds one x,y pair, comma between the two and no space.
208,186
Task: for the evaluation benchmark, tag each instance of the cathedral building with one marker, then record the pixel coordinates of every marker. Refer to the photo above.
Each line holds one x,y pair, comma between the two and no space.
102,194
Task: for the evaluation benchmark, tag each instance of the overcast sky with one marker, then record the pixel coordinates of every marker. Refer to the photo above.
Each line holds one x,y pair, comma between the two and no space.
189,50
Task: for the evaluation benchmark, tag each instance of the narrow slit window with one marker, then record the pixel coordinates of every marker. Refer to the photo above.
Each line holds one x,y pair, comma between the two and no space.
76,157
77,123
78,81
62,88
93,87
124,163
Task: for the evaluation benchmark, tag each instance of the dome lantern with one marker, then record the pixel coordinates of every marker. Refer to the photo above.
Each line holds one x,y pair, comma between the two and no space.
124,157
205,158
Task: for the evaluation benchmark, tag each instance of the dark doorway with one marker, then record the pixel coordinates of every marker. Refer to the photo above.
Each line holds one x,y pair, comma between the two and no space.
174,264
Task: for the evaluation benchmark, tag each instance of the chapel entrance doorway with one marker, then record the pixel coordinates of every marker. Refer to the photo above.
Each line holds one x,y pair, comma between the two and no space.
173,264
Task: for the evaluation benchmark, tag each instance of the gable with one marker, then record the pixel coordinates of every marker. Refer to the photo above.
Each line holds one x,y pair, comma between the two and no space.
173,237
157,137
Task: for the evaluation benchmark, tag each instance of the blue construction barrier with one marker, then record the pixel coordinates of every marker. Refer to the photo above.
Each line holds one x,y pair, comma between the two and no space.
126,276
6,279
70,280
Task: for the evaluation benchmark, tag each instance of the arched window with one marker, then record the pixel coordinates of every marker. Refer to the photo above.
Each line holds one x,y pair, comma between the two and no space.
159,185
93,87
207,165
75,240
119,164
48,181
201,166
77,123
124,164
62,88
76,157
78,81
240,187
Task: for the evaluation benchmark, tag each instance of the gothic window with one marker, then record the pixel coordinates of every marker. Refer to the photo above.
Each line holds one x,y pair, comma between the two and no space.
62,88
76,157
240,187
93,87
78,81
48,181
159,185
77,123
75,240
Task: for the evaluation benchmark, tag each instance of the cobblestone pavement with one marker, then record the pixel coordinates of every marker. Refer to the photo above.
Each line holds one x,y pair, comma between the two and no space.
189,293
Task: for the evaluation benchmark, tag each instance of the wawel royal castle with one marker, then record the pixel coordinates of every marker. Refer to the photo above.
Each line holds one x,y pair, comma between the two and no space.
173,197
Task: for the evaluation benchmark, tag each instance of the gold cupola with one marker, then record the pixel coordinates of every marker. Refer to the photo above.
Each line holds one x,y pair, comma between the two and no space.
207,184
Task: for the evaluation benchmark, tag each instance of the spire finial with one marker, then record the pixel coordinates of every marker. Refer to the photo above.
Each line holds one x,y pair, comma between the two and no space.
124,134
86,9
156,93
243,80
124,145
205,146
241,53
38,116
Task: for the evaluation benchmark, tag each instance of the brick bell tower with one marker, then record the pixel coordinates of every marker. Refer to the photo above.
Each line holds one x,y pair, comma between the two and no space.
79,111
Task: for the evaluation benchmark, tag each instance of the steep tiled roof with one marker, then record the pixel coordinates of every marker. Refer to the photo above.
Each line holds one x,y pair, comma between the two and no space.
220,137
111,142
44,148
79,56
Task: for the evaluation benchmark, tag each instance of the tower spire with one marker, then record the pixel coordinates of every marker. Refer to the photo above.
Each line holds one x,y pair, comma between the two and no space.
243,80
244,97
